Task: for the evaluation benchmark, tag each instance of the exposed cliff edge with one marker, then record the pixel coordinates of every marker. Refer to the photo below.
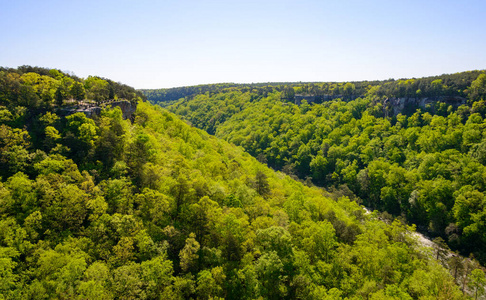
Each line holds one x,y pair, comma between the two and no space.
399,105
128,108
391,106
91,110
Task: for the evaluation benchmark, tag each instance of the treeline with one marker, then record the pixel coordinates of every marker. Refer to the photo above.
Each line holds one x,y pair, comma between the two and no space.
107,208
426,168
171,94
42,88
456,84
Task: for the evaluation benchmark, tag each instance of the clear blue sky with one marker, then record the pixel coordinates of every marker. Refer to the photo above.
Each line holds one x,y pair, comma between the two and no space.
154,44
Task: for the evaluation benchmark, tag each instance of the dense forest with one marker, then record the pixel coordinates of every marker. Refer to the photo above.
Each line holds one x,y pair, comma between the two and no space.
151,208
444,85
38,88
425,165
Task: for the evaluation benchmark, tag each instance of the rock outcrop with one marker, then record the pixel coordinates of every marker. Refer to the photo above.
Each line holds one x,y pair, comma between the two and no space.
128,108
392,106
398,105
91,111
309,98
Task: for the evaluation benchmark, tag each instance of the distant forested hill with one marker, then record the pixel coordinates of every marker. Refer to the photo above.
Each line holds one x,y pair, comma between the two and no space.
444,85
426,164
150,208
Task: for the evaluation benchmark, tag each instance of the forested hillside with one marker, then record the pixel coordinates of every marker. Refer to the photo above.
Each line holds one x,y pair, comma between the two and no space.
444,85
41,88
427,166
150,208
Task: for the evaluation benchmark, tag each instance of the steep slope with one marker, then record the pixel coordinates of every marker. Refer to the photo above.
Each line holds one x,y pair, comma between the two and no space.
155,209
427,166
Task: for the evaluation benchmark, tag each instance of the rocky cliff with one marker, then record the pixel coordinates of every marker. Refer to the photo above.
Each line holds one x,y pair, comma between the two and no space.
392,106
398,105
128,109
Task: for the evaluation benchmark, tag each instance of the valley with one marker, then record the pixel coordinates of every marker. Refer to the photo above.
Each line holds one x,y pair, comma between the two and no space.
104,206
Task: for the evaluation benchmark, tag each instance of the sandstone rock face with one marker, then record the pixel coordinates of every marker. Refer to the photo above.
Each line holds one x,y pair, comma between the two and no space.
397,105
391,106
309,98
91,111
127,108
